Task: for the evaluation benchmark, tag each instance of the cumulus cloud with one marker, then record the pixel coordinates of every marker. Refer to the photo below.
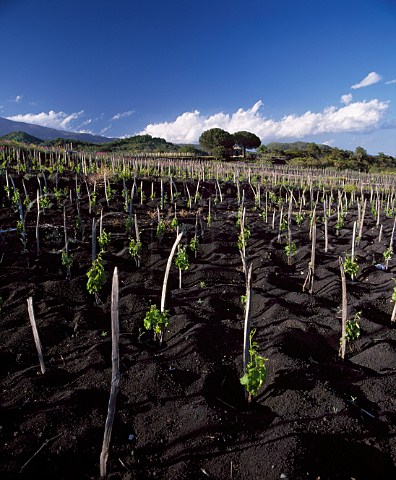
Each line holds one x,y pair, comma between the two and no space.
370,79
355,117
120,115
17,99
390,82
58,120
346,99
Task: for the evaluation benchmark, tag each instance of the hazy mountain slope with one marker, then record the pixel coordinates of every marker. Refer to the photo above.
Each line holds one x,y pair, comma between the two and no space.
45,133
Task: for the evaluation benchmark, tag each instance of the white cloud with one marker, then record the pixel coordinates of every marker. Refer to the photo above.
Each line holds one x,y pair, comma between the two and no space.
58,120
91,132
354,117
346,99
370,79
104,130
390,82
85,122
17,99
117,116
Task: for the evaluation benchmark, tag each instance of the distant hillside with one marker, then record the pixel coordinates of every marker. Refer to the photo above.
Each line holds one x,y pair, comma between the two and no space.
45,133
294,146
144,143
21,137
135,144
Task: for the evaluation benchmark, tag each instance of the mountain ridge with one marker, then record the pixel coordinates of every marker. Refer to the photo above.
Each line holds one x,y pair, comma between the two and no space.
46,133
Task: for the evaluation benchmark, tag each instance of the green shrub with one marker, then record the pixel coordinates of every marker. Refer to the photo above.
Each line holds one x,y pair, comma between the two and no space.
256,370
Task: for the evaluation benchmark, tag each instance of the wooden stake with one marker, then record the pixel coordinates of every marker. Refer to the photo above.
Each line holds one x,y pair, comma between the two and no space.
35,334
166,276
37,225
115,374
137,242
246,328
344,310
93,239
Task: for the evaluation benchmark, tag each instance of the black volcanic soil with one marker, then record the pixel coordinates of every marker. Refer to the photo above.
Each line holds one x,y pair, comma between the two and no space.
181,412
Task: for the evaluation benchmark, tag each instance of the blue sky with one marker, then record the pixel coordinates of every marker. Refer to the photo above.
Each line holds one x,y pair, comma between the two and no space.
286,70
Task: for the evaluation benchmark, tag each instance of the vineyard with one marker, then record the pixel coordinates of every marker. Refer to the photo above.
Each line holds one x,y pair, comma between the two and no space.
281,277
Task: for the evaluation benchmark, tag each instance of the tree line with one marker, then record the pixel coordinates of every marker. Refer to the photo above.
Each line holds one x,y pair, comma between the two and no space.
314,155
224,145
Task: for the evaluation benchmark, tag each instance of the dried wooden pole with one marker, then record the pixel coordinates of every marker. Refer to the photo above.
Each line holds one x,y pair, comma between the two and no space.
258,195
393,317
124,188
326,227
362,220
35,334
280,225
243,249
378,210
392,235
93,239
238,192
171,189
115,374
37,225
162,194
137,242
166,276
311,265
266,206
189,201
24,188
65,232
89,197
130,222
344,310
141,192
196,235
246,327
8,185
219,189
196,192
101,222
105,188
353,242
45,182
289,230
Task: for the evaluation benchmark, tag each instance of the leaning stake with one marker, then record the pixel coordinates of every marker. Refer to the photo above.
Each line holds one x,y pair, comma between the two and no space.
246,328
166,276
35,334
344,310
115,374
